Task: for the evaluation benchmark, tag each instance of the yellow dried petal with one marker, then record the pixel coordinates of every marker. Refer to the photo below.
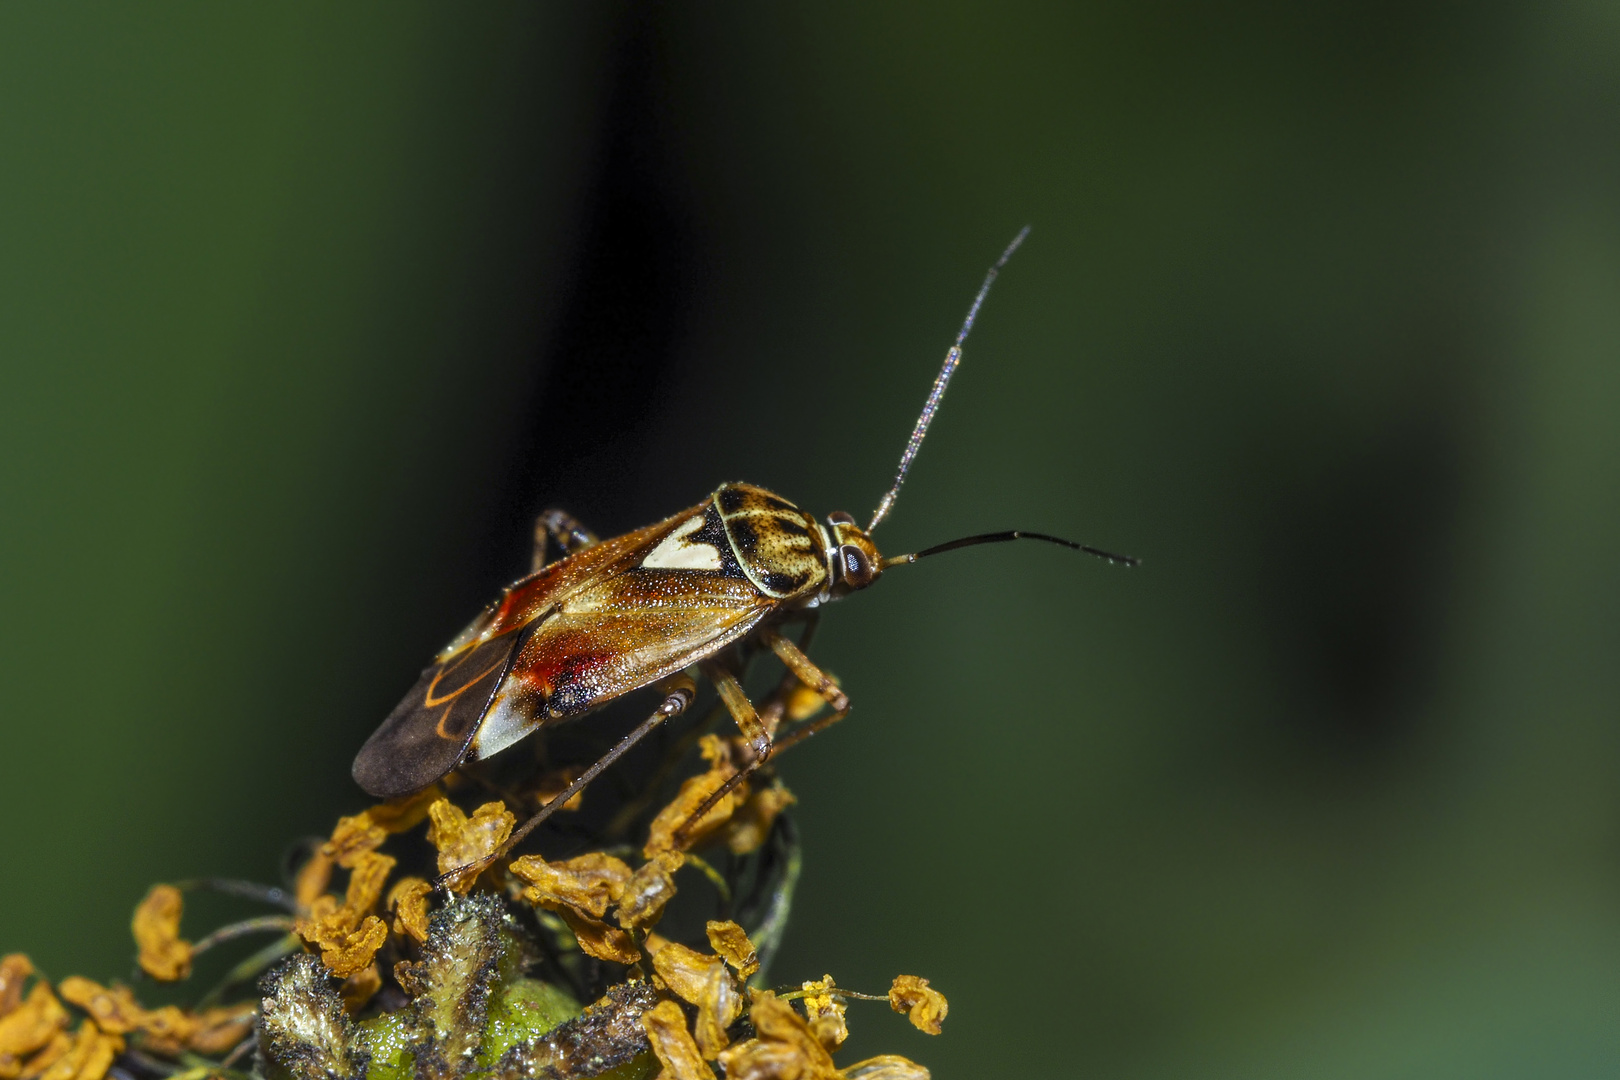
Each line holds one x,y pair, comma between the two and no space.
366,880
588,883
775,1021
731,942
464,841
648,890
597,938
704,981
313,878
825,1013
346,953
325,917
398,815
665,1026
59,1045
719,1008
167,1031
164,955
354,836
785,1049
358,988
685,970
29,1027
886,1067
693,793
220,1030
925,1007
750,825
14,971
408,900
114,1009
348,935
89,1057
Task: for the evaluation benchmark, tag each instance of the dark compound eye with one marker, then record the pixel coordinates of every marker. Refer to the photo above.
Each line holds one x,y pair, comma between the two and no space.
838,517
857,568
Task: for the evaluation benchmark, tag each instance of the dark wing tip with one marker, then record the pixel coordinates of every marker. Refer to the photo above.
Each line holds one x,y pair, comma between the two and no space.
428,733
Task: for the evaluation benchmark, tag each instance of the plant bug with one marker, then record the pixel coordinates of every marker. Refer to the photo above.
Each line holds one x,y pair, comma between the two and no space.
643,609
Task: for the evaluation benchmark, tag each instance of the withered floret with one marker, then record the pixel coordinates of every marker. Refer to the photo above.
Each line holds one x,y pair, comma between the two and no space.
221,1029
886,1067
596,938
408,900
703,981
924,1006
348,934
156,926
114,1009
674,818
28,1028
14,971
784,1047
824,1011
751,824
731,942
648,890
87,1057
588,883
676,1050
465,842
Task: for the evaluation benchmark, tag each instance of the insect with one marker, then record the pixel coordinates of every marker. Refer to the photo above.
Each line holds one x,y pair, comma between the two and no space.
643,609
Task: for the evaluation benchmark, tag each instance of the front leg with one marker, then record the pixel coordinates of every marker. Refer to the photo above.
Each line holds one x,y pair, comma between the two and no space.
806,672
558,531
742,710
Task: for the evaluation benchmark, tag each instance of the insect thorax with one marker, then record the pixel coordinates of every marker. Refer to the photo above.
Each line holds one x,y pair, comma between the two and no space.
782,549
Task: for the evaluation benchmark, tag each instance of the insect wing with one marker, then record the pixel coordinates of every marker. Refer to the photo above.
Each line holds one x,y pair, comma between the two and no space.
429,732
678,598
438,724
629,632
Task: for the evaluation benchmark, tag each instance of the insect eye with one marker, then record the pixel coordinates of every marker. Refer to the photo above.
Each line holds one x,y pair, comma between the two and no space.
857,568
838,517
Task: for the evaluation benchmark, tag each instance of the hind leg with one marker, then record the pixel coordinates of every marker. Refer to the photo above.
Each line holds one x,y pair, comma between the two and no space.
557,535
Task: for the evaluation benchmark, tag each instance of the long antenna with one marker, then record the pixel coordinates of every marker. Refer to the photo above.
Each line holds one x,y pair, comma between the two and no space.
952,358
1004,537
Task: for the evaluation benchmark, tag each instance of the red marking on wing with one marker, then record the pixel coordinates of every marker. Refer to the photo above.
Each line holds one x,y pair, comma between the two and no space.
626,632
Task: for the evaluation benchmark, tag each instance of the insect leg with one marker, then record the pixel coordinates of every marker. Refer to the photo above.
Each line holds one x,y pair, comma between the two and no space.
759,741
770,713
813,677
679,692
557,531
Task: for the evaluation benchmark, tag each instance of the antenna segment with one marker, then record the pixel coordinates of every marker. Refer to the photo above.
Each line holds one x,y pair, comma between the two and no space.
952,359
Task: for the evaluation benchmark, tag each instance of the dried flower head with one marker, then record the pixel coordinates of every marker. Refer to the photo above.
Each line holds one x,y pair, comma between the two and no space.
379,975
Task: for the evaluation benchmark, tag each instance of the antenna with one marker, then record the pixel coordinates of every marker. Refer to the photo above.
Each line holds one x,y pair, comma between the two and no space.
1004,537
952,359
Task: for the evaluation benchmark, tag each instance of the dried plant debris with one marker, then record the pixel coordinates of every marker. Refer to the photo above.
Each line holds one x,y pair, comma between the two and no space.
436,960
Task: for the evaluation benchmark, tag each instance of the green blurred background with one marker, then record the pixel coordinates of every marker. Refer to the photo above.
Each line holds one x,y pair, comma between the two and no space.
306,311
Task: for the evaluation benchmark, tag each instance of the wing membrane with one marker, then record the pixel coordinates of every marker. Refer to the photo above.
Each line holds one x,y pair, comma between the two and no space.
428,733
